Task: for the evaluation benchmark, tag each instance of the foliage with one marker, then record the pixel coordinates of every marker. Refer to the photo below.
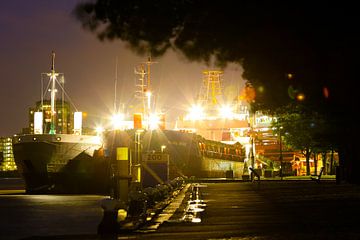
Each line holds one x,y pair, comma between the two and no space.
287,48
269,38
304,130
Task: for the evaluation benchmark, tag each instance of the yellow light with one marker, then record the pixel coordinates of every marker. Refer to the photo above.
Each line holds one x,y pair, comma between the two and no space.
122,213
163,148
99,130
117,120
154,121
196,112
226,112
300,97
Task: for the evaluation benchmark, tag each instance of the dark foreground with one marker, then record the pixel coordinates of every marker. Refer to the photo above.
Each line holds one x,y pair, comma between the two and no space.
235,210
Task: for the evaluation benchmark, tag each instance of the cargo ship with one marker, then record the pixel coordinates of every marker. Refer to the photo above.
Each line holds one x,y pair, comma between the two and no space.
189,154
189,150
54,156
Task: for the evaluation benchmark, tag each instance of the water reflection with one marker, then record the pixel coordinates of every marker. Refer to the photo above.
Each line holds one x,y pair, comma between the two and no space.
41,215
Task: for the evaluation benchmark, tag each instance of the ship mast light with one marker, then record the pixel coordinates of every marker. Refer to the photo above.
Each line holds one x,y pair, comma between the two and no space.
226,111
154,121
99,130
118,121
196,112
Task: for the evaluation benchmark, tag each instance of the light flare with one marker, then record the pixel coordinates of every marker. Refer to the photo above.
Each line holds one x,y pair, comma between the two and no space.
226,111
196,112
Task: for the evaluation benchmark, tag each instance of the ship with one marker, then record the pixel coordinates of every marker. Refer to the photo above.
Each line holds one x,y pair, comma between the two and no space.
232,122
170,153
55,156
189,154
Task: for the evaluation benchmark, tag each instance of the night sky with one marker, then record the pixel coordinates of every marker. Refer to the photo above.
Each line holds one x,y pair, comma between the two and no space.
31,30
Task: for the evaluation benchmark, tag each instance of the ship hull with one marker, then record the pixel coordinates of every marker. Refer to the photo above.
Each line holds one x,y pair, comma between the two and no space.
60,163
190,155
195,156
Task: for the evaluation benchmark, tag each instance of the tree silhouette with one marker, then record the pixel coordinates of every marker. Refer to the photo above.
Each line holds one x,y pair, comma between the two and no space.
291,51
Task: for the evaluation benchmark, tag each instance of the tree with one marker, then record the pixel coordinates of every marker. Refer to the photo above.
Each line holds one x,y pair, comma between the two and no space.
301,129
314,42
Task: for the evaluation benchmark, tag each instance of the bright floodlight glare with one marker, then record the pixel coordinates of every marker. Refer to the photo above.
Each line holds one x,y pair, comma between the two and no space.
154,121
196,112
226,112
117,120
99,130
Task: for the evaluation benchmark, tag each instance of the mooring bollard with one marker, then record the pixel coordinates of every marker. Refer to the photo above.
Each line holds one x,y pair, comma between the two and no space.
109,222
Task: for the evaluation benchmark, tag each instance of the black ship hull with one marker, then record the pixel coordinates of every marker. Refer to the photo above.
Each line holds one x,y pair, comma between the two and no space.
61,163
52,165
190,154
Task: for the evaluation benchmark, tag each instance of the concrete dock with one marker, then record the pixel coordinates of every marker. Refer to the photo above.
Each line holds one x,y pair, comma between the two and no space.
265,210
274,210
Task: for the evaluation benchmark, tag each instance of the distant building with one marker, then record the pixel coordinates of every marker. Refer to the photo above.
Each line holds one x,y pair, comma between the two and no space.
7,162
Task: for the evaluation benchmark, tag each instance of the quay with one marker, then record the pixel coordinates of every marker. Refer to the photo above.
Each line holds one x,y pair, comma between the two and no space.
265,210
273,210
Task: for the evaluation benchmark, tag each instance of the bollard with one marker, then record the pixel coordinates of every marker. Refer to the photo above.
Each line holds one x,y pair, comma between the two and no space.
109,222
137,204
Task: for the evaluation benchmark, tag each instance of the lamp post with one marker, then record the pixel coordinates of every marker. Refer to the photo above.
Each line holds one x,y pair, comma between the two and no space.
136,165
148,95
281,155
252,155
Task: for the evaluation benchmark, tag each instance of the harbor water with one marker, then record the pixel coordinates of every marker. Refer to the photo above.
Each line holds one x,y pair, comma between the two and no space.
23,216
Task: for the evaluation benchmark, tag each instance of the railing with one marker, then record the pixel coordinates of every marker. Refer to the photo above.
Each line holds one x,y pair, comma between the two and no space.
218,155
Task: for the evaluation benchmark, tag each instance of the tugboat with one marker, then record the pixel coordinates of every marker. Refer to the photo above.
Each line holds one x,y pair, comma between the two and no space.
55,156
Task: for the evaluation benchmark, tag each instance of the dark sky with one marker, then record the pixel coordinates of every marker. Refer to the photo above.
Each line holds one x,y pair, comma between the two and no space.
30,30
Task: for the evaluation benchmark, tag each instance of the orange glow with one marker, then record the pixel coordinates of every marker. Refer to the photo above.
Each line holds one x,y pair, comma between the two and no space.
300,97
248,94
326,92
137,120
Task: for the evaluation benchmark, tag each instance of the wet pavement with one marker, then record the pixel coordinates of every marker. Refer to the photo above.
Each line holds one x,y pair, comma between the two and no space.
234,210
274,210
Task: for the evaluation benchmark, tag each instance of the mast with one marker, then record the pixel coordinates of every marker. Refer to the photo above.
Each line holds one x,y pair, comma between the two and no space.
140,92
211,89
53,91
144,87
115,87
148,64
